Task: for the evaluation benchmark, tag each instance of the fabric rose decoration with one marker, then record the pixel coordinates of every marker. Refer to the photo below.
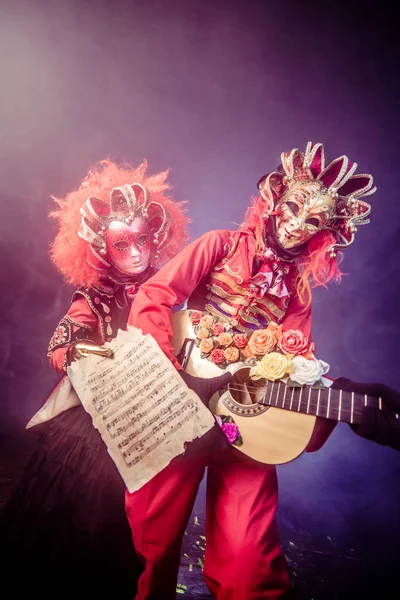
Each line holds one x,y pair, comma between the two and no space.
293,341
240,340
231,354
225,339
206,345
206,321
307,371
217,329
203,333
261,342
272,366
195,316
217,356
231,431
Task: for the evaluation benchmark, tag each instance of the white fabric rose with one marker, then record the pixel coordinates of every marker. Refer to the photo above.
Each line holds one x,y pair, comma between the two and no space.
307,371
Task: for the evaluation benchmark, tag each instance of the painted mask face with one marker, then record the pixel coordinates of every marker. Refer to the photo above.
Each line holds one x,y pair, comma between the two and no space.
129,246
301,212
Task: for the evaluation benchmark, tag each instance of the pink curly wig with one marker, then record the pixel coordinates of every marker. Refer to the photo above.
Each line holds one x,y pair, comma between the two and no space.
316,266
68,251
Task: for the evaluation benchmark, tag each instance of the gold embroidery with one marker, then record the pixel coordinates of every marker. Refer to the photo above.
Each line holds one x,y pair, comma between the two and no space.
270,305
242,291
232,272
247,318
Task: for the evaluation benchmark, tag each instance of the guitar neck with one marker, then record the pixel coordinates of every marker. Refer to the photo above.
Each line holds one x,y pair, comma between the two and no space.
328,403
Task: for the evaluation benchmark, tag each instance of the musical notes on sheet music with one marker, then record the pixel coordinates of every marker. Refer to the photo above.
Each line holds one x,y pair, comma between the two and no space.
143,410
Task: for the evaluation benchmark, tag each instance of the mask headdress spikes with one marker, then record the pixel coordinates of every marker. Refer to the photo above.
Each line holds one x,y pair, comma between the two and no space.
126,203
337,180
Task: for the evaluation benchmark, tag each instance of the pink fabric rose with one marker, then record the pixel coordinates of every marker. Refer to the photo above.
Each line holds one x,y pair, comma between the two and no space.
293,341
240,340
231,431
217,329
195,316
217,356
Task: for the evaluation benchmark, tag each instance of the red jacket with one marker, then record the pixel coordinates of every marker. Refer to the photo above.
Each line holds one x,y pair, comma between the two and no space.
186,277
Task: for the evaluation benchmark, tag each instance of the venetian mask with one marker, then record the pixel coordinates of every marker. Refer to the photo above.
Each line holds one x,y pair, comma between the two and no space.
302,211
129,246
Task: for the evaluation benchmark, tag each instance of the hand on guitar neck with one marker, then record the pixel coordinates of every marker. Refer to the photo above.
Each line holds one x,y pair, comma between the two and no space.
380,426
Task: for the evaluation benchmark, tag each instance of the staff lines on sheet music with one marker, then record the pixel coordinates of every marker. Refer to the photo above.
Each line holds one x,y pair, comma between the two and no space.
123,390
156,444
145,424
160,426
147,411
149,406
118,373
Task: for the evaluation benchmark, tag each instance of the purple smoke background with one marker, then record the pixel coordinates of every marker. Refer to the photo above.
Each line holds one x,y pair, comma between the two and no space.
214,91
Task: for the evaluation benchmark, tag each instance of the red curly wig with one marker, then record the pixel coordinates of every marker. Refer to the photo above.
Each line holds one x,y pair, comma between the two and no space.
316,266
68,251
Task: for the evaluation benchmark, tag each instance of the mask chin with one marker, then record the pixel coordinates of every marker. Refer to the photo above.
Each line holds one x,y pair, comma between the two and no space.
269,237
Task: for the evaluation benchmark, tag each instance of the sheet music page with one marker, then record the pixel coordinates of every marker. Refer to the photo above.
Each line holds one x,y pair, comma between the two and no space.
141,406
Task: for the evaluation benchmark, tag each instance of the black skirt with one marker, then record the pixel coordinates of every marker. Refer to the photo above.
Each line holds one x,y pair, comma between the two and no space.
66,519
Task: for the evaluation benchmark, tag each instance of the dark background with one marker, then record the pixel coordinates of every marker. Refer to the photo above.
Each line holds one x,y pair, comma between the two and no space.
214,91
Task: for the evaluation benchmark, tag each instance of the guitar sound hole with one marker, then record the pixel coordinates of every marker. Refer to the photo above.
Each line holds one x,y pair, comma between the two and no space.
244,390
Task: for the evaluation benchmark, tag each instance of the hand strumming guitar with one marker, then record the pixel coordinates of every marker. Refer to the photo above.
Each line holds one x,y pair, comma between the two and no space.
205,388
380,426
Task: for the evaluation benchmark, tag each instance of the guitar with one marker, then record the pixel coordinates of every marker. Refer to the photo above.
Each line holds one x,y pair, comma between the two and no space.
275,421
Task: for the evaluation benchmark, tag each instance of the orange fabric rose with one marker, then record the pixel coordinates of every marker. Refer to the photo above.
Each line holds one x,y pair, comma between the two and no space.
203,333
206,345
224,339
231,354
261,342
206,321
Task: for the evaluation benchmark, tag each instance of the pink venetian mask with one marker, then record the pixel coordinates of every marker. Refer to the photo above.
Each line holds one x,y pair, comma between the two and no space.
129,246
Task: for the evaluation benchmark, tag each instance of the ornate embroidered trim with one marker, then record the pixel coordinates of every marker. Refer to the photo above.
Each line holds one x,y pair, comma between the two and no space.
65,363
68,330
235,287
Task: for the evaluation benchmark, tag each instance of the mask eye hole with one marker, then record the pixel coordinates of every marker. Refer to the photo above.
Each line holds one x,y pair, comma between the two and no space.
141,240
313,221
121,245
294,208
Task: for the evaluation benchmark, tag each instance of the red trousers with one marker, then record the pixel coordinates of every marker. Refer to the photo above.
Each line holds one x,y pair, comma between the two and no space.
243,559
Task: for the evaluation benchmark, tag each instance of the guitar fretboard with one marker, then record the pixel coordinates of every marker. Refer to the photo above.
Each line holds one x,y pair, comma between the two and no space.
328,403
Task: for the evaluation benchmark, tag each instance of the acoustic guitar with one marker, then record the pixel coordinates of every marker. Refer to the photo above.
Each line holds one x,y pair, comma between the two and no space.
275,421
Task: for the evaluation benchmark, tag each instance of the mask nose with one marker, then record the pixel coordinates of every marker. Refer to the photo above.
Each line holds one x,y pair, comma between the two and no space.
296,223
134,251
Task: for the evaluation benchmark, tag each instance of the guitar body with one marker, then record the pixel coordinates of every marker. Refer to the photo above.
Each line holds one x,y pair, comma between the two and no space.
273,436
270,435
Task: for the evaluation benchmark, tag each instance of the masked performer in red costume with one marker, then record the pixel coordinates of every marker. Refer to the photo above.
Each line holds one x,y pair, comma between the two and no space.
67,515
306,213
